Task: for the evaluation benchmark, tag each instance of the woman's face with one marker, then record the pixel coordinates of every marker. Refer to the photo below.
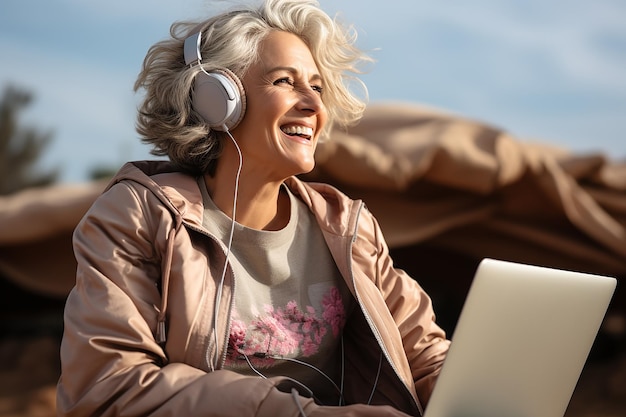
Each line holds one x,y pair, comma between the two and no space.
284,114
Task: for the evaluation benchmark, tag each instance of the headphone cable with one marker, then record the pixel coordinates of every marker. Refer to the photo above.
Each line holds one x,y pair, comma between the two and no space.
218,296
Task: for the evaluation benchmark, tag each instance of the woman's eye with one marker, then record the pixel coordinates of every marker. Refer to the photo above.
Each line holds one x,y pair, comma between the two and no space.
289,81
284,80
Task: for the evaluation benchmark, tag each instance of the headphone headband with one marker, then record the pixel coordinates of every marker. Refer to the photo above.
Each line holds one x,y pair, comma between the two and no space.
192,49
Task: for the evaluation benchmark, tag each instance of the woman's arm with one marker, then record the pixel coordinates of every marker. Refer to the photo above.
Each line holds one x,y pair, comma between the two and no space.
111,362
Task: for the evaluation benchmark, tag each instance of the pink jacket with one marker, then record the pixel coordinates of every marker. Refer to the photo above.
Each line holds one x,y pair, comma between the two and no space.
137,322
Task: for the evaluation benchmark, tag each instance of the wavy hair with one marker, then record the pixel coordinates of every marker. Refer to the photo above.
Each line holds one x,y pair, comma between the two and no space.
231,40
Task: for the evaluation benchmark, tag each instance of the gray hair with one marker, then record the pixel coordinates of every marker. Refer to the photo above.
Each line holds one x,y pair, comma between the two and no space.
231,40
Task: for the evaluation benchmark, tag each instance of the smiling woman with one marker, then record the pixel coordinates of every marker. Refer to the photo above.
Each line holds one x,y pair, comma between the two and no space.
218,283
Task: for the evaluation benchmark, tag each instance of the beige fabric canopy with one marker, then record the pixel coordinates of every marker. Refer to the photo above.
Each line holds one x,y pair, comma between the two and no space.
433,180
472,188
36,226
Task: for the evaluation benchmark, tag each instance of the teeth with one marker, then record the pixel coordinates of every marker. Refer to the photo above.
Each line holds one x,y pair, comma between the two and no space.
297,130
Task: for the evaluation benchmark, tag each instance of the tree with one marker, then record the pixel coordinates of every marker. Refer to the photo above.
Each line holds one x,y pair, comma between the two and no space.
20,147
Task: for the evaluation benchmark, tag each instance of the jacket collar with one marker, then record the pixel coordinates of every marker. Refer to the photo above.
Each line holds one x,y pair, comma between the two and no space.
335,212
177,190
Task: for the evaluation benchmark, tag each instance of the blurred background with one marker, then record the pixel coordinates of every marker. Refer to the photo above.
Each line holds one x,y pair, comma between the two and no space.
551,70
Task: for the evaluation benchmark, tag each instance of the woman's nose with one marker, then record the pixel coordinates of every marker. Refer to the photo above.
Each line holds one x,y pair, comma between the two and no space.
311,101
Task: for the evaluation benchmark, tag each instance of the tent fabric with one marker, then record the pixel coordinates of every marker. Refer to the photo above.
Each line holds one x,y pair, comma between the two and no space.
36,227
430,177
467,186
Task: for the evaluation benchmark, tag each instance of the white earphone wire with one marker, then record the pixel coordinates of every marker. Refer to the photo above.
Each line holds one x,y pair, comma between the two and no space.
319,371
218,295
296,399
380,364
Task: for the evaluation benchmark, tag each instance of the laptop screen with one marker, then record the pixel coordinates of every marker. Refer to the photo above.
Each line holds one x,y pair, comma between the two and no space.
521,341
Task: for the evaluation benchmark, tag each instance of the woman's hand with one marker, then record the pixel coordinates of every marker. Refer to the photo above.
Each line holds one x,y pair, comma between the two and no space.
356,410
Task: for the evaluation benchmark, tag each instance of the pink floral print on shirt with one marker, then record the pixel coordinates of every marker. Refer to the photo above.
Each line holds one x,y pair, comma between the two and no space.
288,331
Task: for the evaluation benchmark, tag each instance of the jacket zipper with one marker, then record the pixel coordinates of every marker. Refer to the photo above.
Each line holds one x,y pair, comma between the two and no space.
222,358
367,315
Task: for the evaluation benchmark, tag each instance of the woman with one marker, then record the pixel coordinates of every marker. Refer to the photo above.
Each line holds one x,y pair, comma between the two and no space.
218,284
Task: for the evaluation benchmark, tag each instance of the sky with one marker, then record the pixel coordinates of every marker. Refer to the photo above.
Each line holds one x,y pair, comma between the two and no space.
547,70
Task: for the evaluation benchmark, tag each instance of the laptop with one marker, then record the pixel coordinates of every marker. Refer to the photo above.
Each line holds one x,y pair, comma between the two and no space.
521,341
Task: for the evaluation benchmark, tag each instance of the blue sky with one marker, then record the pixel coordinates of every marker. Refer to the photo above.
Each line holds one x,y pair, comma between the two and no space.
548,70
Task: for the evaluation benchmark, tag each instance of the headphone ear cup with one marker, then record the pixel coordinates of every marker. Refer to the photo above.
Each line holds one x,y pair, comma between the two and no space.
219,98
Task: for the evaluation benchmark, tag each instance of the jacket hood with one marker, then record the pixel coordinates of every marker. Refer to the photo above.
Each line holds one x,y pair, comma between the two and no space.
175,189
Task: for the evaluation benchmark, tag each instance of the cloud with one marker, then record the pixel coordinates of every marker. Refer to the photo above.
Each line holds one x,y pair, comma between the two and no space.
575,37
533,67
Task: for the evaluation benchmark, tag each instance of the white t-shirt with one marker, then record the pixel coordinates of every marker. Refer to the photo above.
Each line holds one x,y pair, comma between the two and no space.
291,303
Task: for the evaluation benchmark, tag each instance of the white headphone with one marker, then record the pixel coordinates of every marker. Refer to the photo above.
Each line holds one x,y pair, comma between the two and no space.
218,95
